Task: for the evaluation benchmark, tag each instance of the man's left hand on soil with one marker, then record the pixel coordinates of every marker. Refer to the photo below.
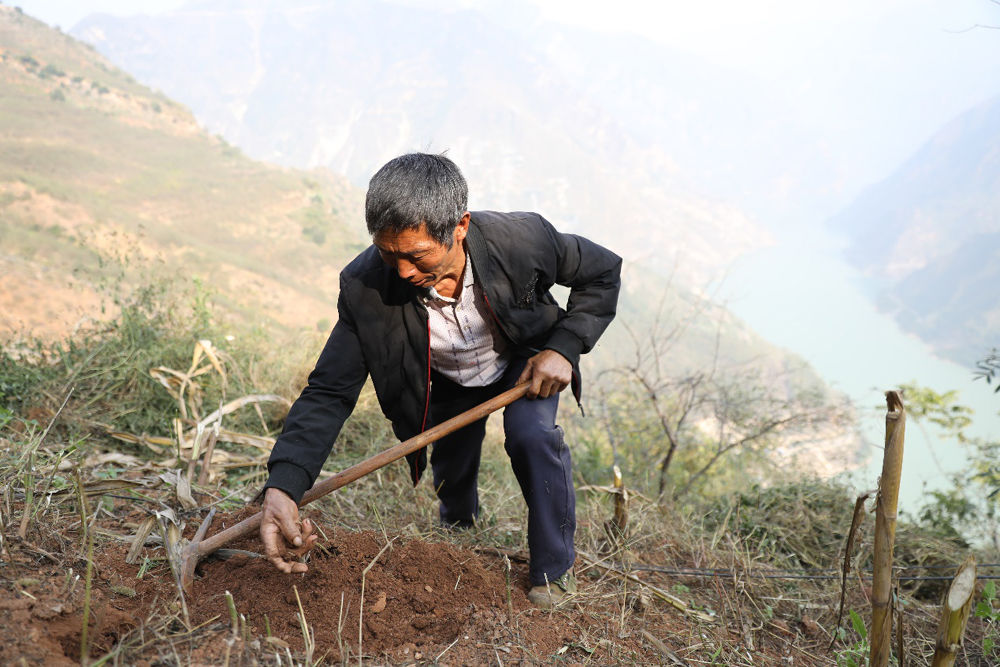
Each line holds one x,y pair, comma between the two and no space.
549,373
284,541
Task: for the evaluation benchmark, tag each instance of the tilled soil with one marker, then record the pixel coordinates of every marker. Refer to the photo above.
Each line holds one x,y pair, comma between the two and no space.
410,601
418,597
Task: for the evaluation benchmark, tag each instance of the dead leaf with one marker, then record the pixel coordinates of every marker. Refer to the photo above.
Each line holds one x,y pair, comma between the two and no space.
810,626
182,487
379,605
141,533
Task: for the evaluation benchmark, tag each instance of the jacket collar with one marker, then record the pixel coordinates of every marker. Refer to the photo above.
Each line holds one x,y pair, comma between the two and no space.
475,244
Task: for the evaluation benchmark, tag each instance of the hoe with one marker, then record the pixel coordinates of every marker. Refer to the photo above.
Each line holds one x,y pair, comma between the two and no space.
200,547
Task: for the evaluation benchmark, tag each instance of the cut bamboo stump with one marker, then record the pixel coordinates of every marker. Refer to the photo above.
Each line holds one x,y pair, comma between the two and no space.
955,614
885,531
617,526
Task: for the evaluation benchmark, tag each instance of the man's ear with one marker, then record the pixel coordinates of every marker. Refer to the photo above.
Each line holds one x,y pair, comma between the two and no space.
462,228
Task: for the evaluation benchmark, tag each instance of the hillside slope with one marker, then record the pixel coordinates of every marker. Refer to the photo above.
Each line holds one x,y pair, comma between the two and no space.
102,179
930,233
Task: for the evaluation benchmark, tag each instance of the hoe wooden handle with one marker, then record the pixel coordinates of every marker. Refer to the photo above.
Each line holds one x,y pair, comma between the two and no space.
200,549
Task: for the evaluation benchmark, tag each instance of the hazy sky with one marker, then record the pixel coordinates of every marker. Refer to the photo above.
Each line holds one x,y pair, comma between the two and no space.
878,78
750,34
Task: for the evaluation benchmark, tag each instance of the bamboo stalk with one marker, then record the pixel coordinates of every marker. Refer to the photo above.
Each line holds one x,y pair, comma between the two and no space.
620,519
955,614
885,530
617,526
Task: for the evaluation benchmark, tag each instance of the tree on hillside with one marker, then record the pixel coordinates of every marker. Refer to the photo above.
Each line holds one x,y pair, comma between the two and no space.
683,425
969,507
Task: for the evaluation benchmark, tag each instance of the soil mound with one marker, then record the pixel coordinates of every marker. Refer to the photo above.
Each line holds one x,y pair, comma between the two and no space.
415,595
388,600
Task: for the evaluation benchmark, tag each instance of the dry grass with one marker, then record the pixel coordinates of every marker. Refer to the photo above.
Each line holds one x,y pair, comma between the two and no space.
643,595
734,618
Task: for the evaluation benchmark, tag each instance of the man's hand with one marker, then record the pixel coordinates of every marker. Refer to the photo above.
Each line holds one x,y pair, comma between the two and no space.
549,373
280,532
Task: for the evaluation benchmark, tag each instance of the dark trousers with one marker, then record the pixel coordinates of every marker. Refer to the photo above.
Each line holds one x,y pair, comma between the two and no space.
538,455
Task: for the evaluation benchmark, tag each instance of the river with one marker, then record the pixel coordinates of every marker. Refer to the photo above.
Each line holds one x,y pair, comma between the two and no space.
801,295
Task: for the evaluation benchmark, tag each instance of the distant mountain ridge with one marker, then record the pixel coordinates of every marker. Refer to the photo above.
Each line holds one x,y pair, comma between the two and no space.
102,179
930,234
610,137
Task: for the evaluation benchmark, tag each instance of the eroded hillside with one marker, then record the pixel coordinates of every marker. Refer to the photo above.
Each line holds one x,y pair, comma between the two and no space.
105,180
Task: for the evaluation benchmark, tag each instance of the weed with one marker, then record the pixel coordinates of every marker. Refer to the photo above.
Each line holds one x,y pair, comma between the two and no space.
856,654
986,609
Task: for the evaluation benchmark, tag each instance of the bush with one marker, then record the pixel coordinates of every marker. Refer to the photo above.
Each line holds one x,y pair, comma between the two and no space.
51,70
107,366
797,524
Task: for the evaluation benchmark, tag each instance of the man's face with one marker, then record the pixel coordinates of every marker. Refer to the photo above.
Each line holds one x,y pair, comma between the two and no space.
419,259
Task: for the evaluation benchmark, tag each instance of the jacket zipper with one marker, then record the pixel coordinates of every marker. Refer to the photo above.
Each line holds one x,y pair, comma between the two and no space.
427,399
496,319
574,386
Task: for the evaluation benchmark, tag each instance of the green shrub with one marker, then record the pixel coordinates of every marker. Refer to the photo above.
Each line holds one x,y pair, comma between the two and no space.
51,70
107,367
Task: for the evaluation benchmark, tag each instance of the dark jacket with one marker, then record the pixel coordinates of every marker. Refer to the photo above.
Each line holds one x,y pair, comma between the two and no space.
382,330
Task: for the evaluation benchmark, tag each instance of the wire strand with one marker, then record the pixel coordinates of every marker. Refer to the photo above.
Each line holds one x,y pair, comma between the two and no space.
799,574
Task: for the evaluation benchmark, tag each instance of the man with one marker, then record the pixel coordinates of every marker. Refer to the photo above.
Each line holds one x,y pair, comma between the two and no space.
445,310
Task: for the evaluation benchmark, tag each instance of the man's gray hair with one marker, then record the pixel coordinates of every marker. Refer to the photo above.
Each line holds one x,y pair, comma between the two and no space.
417,189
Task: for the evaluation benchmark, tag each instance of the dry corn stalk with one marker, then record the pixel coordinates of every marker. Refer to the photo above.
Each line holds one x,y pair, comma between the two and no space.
182,488
206,463
236,404
178,383
170,531
141,533
885,530
153,442
199,438
955,614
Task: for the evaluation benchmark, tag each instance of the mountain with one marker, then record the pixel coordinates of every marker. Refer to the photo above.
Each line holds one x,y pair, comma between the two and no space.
104,180
929,235
615,138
